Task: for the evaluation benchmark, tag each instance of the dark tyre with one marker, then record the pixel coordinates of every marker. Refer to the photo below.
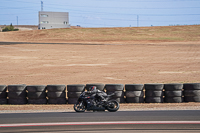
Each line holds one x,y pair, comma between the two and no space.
173,99
76,88
191,86
36,88
117,94
150,93
17,101
178,93
173,87
37,101
134,93
35,95
191,92
56,94
114,87
99,86
57,101
158,87
17,94
112,106
56,88
153,100
14,88
134,99
3,101
3,88
192,98
79,107
134,87
73,94
72,100
3,95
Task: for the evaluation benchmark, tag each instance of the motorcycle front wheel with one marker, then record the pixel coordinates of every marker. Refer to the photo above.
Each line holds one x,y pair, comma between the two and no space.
112,106
79,107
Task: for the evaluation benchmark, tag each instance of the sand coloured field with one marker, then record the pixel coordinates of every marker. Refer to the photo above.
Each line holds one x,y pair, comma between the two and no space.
82,64
112,55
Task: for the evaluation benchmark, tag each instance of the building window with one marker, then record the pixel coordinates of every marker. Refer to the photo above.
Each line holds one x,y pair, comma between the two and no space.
65,22
44,15
44,22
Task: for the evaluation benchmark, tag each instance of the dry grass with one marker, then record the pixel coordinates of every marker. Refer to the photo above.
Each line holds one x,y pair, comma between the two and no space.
128,34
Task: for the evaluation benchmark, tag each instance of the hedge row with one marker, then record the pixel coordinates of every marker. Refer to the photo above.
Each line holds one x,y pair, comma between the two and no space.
128,93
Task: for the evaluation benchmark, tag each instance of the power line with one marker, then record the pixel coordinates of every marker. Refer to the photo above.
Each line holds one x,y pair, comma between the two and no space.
116,7
109,15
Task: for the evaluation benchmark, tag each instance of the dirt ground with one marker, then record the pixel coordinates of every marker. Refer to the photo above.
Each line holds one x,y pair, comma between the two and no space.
35,64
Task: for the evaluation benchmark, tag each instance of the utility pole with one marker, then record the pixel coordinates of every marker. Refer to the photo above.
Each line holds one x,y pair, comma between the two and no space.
137,20
17,21
41,5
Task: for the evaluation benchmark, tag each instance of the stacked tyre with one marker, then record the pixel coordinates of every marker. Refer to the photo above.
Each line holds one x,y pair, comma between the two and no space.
17,94
153,93
36,94
191,92
56,94
134,93
74,91
99,86
3,94
173,93
118,90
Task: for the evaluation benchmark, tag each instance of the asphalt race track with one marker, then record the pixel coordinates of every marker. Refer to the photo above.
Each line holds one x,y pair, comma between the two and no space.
121,121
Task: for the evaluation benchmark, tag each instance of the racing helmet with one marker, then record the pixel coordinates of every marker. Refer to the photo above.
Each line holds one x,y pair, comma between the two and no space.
92,88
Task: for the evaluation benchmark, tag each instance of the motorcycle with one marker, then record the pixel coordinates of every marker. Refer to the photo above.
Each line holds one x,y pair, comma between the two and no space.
94,103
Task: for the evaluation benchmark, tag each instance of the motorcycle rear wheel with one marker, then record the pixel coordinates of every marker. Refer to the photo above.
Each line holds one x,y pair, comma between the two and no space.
79,107
112,106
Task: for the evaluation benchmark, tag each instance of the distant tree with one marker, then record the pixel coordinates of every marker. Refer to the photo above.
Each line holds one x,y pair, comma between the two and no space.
9,28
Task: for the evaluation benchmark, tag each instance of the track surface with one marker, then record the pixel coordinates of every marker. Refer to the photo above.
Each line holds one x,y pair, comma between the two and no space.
148,117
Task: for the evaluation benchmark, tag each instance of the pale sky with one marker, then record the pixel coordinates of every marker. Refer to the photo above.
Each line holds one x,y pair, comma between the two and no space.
105,13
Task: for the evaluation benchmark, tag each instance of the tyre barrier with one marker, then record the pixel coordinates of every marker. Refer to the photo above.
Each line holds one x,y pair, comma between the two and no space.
191,92
131,93
173,93
3,94
36,94
118,90
99,86
74,91
17,94
134,93
154,93
56,94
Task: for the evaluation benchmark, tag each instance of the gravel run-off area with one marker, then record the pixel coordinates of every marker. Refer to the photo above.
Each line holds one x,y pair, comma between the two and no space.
123,107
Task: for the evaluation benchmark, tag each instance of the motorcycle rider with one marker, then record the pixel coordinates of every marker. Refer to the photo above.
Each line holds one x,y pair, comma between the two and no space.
93,91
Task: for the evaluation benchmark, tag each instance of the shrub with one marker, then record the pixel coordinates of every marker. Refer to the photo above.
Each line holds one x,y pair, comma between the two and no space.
9,28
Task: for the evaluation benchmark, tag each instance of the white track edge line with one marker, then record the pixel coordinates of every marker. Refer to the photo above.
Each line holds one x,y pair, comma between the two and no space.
99,123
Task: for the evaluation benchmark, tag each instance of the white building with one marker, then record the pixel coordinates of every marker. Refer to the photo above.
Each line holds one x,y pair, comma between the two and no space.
50,20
